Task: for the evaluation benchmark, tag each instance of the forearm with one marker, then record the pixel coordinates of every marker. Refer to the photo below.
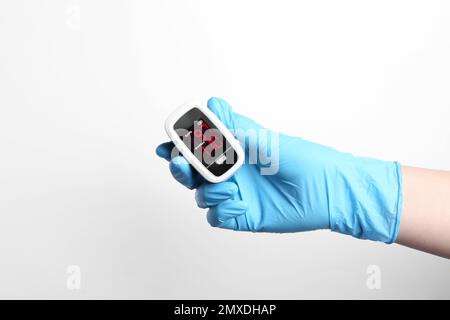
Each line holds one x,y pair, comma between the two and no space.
425,220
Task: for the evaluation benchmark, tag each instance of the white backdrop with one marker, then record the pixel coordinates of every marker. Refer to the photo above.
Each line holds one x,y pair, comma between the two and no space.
85,87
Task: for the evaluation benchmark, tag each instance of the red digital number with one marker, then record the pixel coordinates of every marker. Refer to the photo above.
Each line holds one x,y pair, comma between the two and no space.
209,144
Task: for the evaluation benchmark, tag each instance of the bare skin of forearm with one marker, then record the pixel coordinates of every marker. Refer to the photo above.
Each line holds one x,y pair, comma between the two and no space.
425,220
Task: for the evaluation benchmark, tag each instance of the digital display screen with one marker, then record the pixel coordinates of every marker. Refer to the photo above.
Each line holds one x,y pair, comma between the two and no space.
206,142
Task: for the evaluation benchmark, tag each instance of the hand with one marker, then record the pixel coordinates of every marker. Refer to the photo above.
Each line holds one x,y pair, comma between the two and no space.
315,187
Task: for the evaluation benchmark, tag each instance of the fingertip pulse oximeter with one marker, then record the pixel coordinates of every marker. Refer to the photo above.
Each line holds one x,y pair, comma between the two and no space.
205,142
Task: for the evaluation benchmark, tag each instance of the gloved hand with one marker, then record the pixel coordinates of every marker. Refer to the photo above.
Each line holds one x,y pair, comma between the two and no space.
316,187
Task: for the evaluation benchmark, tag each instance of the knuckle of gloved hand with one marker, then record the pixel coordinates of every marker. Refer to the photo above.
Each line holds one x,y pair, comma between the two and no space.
200,198
213,219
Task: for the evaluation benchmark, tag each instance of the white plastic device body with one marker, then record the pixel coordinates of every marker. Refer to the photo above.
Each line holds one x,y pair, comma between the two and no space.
189,155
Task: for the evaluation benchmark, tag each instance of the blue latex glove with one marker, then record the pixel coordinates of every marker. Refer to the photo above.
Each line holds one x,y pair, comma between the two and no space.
316,187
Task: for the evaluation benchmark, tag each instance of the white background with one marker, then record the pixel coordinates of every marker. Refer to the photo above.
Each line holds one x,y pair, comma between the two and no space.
85,87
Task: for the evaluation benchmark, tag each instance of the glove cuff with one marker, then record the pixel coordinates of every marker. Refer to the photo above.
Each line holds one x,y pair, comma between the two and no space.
368,202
